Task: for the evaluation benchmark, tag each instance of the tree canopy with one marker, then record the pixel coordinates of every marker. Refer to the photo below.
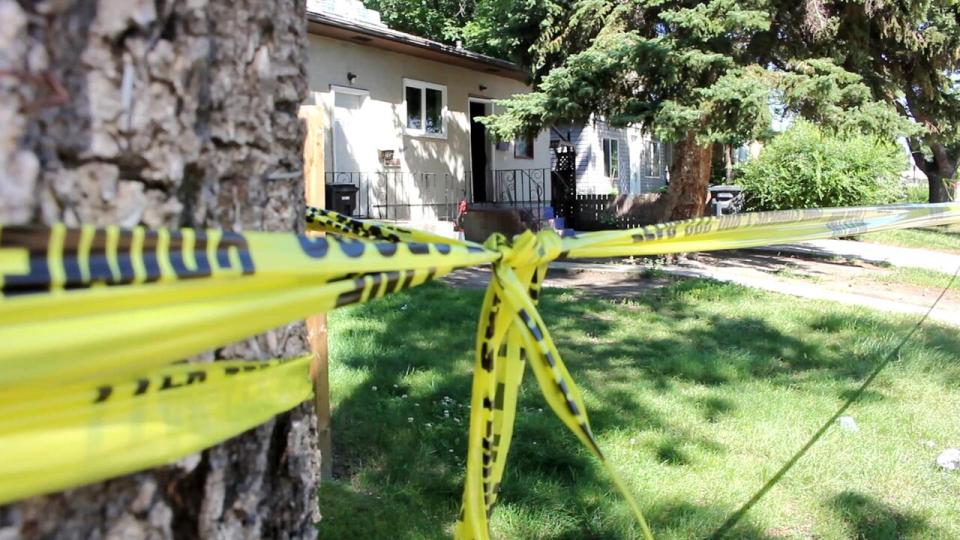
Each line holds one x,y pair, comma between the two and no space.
697,73
908,54
711,72
500,28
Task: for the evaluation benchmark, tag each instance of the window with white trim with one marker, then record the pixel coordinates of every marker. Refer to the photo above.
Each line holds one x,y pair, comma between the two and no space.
426,108
654,167
523,147
611,158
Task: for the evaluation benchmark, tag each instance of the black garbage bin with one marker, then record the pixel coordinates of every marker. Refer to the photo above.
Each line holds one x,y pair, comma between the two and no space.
726,200
342,198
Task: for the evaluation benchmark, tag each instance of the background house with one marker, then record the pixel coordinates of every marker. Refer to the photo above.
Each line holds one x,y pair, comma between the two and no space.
614,159
402,120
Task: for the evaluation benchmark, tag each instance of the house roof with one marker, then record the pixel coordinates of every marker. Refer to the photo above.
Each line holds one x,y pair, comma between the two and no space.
333,26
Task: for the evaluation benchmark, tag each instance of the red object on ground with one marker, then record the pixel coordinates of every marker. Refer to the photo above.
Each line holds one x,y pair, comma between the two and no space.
461,210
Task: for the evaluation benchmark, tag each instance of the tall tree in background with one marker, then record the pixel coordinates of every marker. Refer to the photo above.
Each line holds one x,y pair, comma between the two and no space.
698,73
440,20
908,53
500,28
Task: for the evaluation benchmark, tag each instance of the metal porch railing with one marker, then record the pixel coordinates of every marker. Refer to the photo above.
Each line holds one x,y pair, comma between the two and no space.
397,195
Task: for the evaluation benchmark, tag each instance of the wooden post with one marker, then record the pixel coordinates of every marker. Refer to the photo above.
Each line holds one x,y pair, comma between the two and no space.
315,195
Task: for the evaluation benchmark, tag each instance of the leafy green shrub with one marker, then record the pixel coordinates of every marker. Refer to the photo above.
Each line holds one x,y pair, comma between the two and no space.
807,168
916,193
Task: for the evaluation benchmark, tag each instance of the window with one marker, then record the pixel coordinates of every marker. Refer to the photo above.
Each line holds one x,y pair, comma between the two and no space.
652,163
523,148
611,158
426,105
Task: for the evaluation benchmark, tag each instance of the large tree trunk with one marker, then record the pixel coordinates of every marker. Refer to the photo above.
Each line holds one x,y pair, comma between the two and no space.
689,179
940,168
165,113
942,189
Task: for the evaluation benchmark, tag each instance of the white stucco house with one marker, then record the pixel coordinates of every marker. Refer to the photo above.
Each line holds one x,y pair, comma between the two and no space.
402,122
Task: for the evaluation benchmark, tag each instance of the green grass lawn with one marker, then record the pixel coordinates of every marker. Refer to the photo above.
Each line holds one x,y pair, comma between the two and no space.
920,277
697,392
940,240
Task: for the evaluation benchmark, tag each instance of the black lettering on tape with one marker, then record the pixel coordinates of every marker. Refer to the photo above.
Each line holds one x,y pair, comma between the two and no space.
71,262
35,242
142,386
177,259
386,249
97,263
103,394
231,241
313,247
351,248
149,258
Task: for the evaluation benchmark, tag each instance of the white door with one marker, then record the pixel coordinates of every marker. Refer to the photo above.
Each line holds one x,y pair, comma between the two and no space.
350,154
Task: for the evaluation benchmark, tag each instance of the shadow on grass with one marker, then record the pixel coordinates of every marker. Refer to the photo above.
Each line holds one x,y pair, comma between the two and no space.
870,519
400,448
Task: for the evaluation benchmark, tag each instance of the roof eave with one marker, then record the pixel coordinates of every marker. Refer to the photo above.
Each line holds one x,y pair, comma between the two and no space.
327,25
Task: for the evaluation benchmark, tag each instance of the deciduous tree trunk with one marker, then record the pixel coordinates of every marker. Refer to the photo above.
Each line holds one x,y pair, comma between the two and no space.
940,168
165,113
941,189
689,178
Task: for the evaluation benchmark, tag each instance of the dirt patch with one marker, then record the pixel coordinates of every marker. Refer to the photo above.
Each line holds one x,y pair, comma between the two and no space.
615,285
847,281
846,275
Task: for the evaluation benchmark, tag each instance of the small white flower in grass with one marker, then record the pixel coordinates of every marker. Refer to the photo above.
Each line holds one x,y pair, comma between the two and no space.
429,425
848,424
403,396
374,388
395,386
633,441
416,404
540,409
457,420
949,459
451,450
409,419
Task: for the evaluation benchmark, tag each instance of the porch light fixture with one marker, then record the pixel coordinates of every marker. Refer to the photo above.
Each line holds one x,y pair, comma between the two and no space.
482,87
351,77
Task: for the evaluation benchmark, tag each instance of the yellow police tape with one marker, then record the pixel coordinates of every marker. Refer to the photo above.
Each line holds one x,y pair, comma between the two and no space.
55,436
82,303
89,316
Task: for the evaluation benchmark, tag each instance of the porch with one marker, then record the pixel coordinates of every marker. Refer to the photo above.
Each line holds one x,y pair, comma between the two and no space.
426,197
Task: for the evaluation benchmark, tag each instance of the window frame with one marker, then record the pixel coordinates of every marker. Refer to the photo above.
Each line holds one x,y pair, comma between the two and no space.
608,144
653,148
530,141
423,86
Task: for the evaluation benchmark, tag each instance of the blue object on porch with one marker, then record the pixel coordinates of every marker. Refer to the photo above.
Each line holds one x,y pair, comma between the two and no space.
549,213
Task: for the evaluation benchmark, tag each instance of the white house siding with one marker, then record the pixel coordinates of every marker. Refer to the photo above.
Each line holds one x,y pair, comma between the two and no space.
591,178
379,123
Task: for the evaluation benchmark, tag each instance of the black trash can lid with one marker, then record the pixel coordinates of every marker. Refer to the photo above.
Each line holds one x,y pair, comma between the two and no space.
716,189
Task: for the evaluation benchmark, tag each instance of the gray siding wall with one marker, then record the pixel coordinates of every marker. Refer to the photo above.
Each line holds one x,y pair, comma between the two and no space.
588,139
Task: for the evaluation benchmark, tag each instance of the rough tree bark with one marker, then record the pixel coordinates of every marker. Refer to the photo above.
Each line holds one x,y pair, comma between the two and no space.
941,170
165,113
689,178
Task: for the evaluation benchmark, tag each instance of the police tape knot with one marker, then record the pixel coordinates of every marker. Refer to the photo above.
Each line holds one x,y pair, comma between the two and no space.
526,249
